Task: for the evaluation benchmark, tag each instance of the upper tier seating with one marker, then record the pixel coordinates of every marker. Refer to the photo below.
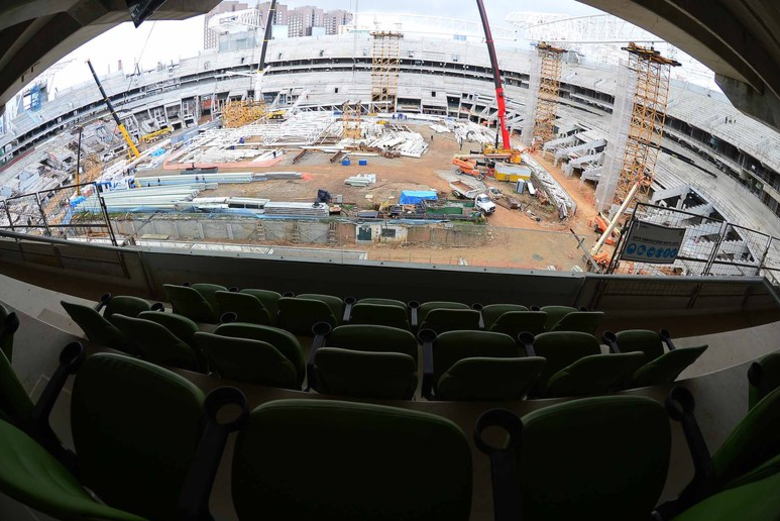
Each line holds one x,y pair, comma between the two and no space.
660,367
442,320
298,315
190,303
585,459
247,308
381,312
584,321
156,344
556,313
560,349
364,361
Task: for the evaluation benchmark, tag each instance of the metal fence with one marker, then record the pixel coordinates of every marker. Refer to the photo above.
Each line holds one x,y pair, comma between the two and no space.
710,247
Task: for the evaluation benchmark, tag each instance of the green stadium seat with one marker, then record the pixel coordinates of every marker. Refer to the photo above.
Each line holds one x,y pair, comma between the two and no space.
98,330
335,304
127,306
182,327
427,307
475,365
364,361
246,307
33,477
442,320
191,304
298,315
156,344
750,451
555,314
284,342
249,361
561,349
513,323
374,462
380,314
9,324
763,377
269,300
602,458
593,375
209,292
584,321
385,302
492,312
660,367
136,427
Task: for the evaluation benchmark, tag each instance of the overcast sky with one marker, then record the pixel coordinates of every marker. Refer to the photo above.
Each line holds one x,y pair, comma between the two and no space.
166,41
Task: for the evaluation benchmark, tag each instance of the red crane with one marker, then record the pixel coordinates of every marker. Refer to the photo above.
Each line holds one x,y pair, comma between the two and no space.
496,77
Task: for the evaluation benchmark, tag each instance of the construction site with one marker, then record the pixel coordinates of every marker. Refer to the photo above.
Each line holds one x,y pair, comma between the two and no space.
536,172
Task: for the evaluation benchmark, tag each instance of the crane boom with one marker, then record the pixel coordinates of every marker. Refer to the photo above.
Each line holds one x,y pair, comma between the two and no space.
267,35
496,76
110,106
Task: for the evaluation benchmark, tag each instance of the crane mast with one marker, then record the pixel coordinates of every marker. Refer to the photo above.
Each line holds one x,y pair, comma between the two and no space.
496,76
119,124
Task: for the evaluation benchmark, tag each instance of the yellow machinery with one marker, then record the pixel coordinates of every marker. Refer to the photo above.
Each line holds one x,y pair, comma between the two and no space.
157,134
133,151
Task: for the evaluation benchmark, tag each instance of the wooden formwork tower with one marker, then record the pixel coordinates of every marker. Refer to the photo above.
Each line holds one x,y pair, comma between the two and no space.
651,96
351,120
386,59
547,98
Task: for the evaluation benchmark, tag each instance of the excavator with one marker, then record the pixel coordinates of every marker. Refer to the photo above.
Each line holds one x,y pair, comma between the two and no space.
483,164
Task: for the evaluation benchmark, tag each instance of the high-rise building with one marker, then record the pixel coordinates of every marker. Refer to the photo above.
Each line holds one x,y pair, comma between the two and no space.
302,19
211,38
281,13
335,19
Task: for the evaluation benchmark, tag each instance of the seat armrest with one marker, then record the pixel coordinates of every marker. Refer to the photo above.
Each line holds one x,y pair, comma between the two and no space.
348,303
503,462
413,307
610,339
321,331
666,336
478,307
158,306
427,337
196,491
103,302
9,327
527,340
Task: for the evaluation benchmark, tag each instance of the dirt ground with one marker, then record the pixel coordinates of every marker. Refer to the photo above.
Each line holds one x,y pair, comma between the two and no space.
519,239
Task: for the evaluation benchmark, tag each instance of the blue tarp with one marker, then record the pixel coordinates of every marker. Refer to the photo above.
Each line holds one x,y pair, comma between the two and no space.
415,196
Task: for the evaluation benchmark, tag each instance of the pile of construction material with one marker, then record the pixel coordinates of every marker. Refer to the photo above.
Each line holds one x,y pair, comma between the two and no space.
470,131
242,112
148,200
361,180
398,139
548,188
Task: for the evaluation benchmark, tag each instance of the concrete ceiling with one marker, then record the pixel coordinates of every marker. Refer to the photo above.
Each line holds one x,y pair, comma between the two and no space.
35,34
738,39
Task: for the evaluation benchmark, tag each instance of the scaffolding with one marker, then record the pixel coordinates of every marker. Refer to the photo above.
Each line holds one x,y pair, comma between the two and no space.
652,73
242,112
352,120
386,59
546,110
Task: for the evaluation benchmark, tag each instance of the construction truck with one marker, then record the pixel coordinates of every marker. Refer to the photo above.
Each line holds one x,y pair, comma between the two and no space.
482,201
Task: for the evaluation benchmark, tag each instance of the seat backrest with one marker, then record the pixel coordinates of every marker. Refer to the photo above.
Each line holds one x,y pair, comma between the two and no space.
453,346
399,464
561,349
98,330
365,374
485,378
427,307
335,304
373,338
7,332
190,303
593,375
393,316
156,344
764,377
247,360
298,315
513,323
584,321
492,312
269,299
600,458
33,477
644,340
181,327
284,342
755,440
124,305
15,404
385,302
246,307
136,427
666,368
209,292
443,320
555,313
